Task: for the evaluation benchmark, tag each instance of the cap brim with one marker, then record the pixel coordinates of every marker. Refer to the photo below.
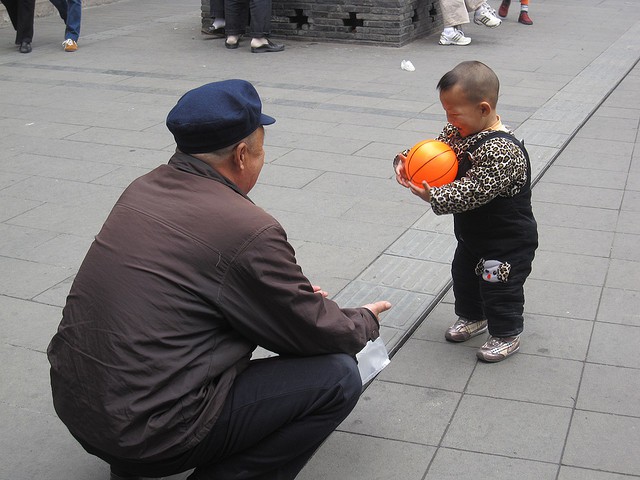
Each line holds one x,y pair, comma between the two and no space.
266,119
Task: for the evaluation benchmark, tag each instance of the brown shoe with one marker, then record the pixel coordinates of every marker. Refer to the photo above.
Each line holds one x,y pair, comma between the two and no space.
525,19
497,349
464,329
504,8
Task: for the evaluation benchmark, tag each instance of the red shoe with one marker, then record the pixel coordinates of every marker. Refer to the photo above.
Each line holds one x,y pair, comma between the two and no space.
525,19
504,8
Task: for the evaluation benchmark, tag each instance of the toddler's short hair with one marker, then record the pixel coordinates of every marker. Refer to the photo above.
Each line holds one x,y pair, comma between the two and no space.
479,82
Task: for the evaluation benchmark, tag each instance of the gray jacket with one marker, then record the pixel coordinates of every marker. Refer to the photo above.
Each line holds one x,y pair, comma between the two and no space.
184,279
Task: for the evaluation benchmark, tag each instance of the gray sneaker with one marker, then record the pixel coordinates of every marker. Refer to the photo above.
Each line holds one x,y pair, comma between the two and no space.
464,329
497,349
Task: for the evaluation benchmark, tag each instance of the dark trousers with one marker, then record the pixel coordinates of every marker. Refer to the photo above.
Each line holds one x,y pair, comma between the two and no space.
216,8
277,414
502,304
237,12
21,13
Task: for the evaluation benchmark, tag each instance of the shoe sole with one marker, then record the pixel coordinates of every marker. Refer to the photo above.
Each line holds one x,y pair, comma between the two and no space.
480,22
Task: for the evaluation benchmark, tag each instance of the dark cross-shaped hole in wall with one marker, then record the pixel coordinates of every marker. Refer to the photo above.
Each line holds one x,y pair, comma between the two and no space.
353,23
299,19
433,12
415,17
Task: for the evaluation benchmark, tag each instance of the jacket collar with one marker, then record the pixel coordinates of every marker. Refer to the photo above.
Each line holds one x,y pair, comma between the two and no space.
195,166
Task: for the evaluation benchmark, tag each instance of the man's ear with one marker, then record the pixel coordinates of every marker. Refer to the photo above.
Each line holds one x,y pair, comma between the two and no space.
239,155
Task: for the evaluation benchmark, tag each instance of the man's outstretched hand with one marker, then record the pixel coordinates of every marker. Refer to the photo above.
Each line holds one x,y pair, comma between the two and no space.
378,307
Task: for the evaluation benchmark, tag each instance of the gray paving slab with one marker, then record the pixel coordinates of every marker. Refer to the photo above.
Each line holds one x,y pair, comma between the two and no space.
75,129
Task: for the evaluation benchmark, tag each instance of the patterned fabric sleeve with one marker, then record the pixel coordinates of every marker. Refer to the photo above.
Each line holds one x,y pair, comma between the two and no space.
498,168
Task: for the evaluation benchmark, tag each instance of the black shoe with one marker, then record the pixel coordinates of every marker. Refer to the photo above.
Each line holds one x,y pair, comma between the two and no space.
268,47
231,46
211,32
25,47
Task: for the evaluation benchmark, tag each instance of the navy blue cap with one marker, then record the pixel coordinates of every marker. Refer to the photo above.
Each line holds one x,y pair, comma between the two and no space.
216,115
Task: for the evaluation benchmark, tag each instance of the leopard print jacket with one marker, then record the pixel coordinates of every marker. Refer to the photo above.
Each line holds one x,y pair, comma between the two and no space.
499,168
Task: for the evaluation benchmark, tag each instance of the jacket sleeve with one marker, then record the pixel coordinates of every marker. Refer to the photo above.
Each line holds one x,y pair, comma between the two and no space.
498,168
268,299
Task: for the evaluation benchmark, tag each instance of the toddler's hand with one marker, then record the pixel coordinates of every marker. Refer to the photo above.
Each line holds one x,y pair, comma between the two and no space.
401,174
424,191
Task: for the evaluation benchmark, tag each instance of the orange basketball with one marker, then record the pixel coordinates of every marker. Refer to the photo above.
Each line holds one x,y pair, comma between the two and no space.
433,161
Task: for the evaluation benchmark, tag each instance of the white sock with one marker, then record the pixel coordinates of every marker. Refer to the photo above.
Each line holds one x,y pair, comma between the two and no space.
232,39
258,42
449,31
219,23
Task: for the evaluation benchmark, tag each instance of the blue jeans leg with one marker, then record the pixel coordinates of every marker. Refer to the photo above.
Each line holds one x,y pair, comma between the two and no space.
74,17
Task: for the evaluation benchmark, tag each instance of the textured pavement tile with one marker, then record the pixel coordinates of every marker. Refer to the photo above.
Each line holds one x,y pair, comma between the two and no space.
418,244
419,415
452,464
572,240
556,336
613,344
333,260
561,299
620,306
408,274
359,457
569,268
510,428
16,240
431,364
609,389
551,381
604,442
406,306
57,294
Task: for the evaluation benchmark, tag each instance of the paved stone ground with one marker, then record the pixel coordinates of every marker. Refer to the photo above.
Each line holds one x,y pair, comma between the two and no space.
77,128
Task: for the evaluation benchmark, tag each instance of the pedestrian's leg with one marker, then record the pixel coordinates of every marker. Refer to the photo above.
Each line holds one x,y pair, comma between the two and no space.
61,6
524,17
26,9
74,18
278,412
236,13
12,10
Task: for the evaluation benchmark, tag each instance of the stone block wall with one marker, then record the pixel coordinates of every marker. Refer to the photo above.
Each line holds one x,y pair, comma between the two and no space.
382,22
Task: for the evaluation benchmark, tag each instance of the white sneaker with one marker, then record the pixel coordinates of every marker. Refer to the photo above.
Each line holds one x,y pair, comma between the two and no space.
457,38
485,15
